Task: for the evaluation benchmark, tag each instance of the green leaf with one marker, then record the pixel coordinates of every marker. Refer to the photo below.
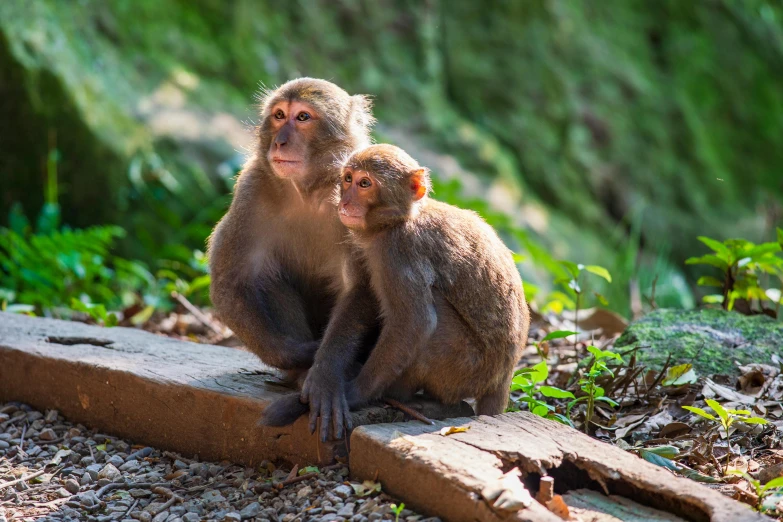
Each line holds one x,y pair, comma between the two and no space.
599,271
699,411
555,393
111,320
752,420
518,258
720,410
715,245
668,452
539,372
573,268
713,299
774,483
708,259
595,351
608,401
658,460
308,469
710,281
542,409
601,299
559,334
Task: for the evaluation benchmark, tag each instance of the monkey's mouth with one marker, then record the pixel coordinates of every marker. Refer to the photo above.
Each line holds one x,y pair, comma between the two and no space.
351,218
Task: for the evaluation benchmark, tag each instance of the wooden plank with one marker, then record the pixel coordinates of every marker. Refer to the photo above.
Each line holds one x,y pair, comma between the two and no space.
187,397
445,476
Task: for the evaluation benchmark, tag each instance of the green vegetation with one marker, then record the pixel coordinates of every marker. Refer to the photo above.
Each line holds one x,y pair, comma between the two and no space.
529,382
614,131
55,271
592,392
725,418
743,265
762,490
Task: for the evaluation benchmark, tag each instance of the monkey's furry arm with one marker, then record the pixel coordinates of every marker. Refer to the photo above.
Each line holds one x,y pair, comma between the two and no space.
355,313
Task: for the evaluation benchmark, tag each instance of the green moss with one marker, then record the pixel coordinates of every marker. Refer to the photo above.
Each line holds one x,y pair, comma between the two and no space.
712,340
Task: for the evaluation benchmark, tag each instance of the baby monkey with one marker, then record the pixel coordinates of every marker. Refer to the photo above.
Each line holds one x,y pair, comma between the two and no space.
455,320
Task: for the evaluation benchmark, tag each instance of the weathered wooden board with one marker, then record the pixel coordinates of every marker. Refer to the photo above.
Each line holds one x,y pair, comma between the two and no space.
445,475
187,397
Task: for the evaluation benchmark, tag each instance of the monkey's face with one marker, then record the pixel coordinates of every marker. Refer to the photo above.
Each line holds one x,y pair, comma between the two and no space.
371,200
293,126
359,192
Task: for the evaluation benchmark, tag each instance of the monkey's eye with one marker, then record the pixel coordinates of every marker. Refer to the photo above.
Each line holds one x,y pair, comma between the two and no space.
279,115
365,182
347,178
303,116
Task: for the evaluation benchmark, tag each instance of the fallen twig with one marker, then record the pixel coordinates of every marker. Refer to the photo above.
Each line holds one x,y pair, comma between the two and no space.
173,497
198,314
28,477
408,410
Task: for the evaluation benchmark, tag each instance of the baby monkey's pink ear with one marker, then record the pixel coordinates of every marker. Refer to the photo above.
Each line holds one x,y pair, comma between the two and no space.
419,183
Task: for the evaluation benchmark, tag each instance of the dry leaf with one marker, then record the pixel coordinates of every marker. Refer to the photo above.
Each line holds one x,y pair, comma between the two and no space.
449,430
712,389
674,429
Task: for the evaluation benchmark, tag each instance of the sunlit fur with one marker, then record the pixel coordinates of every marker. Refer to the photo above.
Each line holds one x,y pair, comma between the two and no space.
277,256
455,316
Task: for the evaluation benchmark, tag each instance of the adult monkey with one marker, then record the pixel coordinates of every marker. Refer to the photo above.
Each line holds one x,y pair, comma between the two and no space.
276,257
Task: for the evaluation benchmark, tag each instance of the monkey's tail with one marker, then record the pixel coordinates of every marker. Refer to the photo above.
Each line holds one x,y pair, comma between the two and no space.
283,411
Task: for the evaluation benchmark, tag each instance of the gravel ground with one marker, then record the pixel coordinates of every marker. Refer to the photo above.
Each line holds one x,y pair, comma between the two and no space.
51,469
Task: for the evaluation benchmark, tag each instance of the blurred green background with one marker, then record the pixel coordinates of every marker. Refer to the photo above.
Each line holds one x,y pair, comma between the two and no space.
610,132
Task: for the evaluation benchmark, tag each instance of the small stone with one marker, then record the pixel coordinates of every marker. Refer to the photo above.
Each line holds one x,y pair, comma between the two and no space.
89,461
343,491
161,517
145,517
190,517
34,416
233,516
72,486
250,511
89,499
51,416
109,472
115,460
47,434
86,479
4,445
179,464
213,496
131,466
304,492
140,493
347,510
63,493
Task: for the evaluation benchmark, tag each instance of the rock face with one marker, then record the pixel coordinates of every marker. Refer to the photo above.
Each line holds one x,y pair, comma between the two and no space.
712,340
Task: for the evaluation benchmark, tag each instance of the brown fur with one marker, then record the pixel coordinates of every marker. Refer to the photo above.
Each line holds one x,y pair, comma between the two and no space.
455,319
455,316
277,256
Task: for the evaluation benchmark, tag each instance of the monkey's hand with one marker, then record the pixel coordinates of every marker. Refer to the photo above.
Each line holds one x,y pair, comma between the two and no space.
324,390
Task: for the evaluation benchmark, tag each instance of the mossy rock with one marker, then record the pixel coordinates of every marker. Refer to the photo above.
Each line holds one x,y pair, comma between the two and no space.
711,340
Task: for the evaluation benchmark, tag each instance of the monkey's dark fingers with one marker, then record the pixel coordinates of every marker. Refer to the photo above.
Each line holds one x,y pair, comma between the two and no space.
347,415
338,412
315,409
326,420
304,395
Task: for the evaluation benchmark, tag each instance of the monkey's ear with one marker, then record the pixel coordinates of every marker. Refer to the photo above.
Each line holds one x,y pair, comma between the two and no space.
419,183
